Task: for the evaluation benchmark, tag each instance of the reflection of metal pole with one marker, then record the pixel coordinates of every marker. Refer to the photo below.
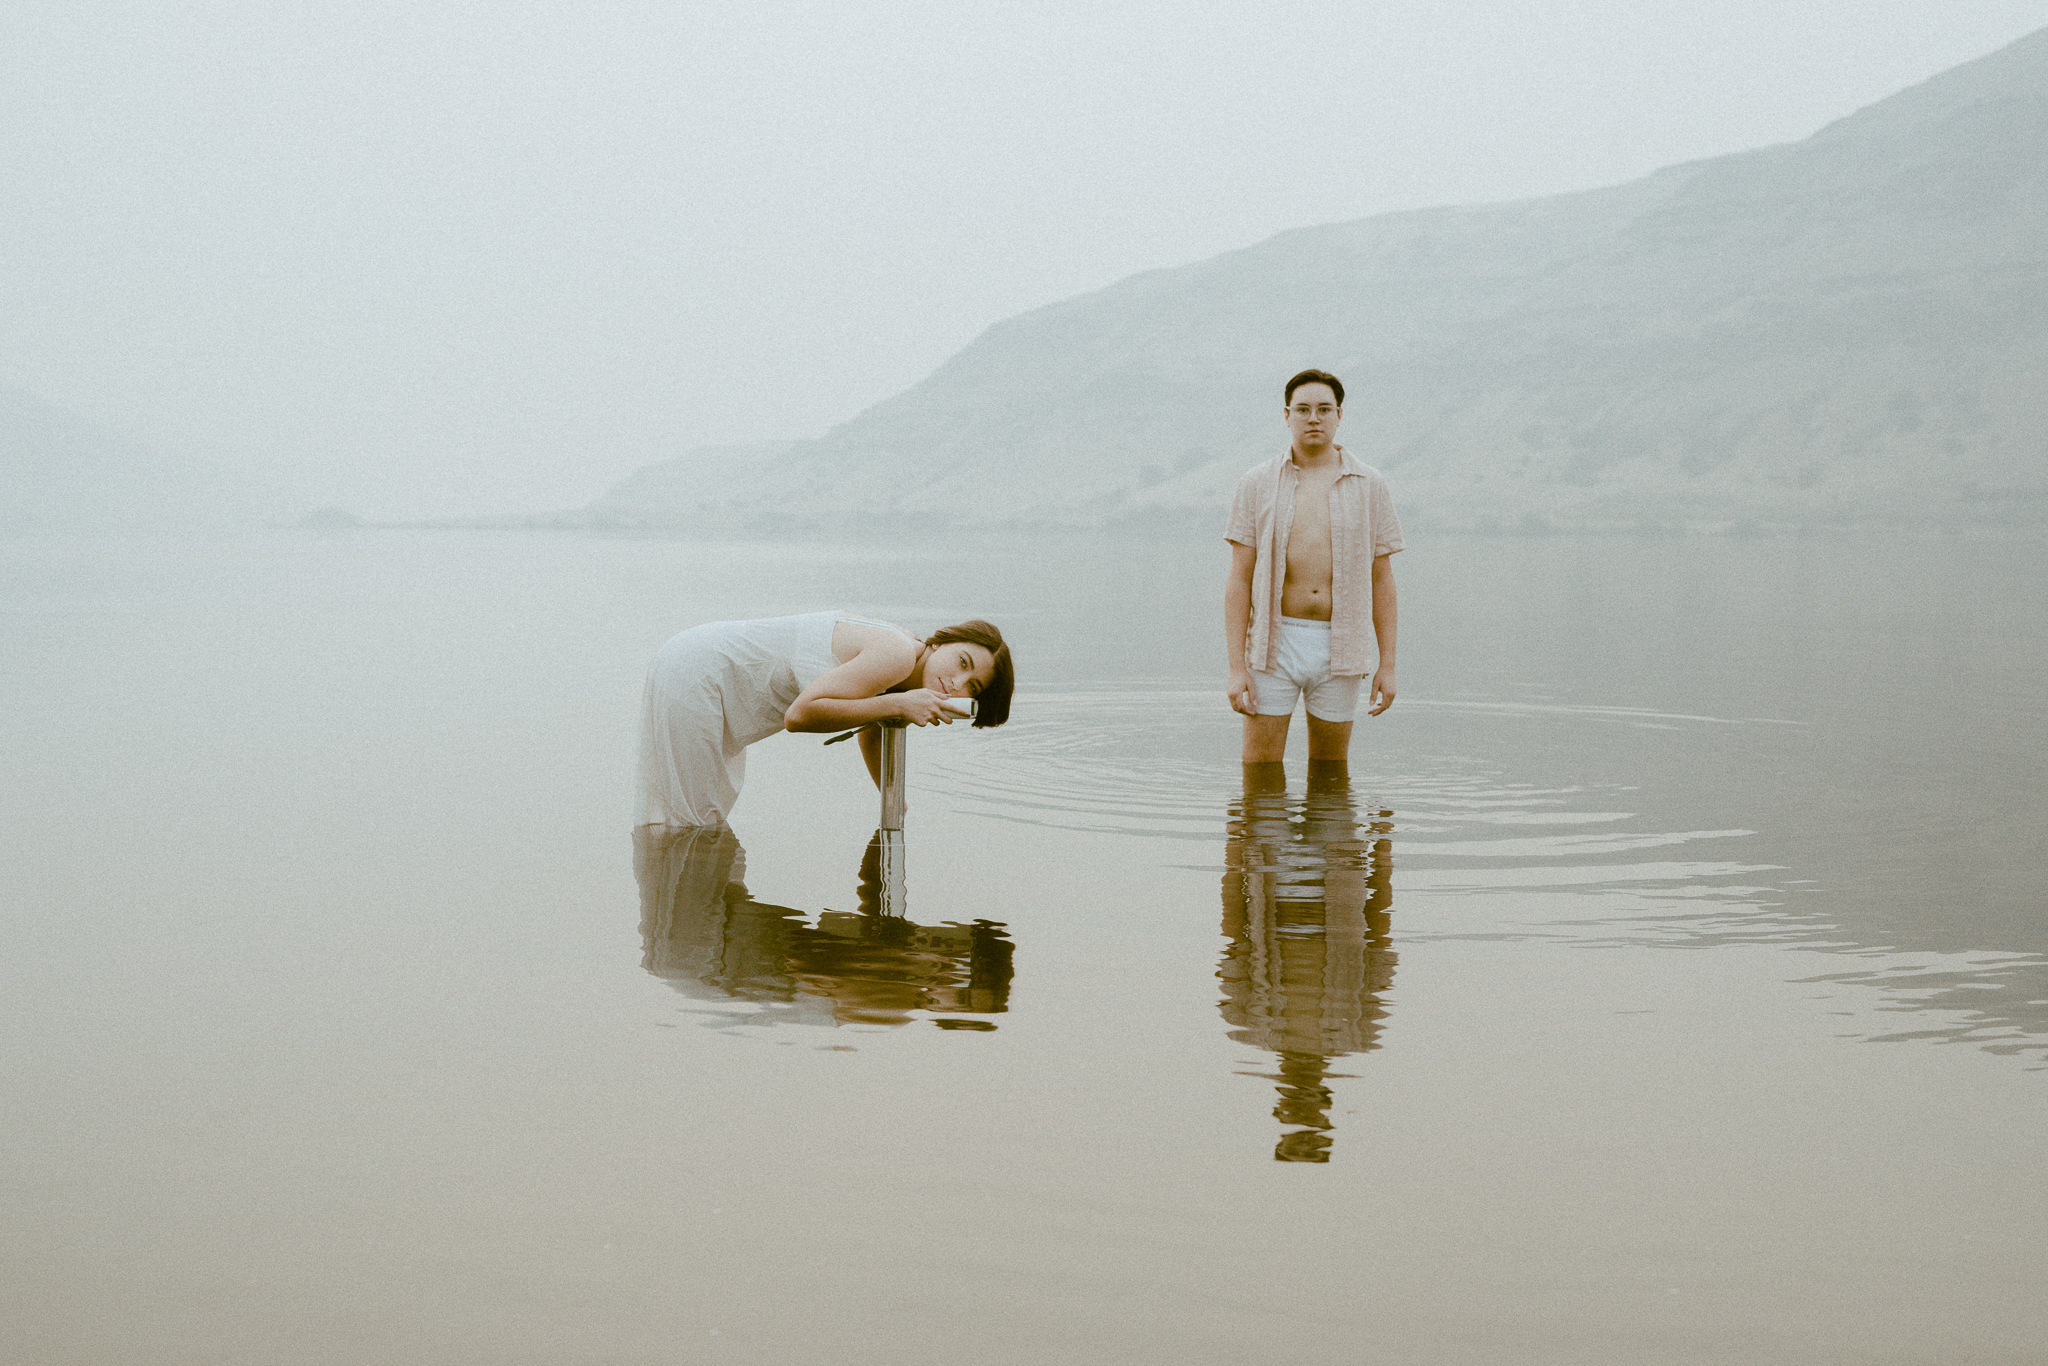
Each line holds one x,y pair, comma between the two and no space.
893,897
895,758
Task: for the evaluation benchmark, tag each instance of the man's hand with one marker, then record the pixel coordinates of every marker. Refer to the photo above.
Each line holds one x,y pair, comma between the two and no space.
1382,690
1243,697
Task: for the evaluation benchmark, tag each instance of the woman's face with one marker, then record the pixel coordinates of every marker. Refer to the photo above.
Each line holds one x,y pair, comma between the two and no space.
958,669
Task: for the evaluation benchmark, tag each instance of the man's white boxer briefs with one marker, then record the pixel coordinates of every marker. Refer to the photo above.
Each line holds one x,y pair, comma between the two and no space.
1301,664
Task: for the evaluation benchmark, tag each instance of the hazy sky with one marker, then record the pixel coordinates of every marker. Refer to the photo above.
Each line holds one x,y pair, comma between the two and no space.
427,257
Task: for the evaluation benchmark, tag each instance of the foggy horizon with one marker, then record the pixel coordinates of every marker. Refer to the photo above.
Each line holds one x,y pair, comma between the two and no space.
439,267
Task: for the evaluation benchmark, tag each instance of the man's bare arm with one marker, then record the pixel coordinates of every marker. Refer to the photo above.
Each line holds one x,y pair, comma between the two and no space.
1237,620
1386,621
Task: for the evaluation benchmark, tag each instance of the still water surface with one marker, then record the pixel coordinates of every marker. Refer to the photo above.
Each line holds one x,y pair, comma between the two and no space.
1667,983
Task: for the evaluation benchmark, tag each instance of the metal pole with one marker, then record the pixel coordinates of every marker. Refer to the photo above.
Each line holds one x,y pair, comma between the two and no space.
895,758
893,896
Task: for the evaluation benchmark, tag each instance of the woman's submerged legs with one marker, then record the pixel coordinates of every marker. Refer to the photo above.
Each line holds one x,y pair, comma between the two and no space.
686,775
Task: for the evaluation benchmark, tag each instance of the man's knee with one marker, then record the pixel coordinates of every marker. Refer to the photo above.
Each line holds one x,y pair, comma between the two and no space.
1328,739
1265,738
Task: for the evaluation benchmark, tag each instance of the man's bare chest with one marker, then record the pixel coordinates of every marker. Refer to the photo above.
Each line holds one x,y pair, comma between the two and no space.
1308,531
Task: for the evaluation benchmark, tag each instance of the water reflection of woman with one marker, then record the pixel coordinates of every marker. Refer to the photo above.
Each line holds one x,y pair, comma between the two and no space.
704,933
1307,910
719,687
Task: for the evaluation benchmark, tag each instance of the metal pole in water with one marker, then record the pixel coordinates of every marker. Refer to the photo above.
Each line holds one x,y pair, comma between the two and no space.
895,758
893,893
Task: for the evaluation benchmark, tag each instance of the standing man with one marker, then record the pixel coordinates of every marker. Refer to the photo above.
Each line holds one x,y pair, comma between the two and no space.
1311,534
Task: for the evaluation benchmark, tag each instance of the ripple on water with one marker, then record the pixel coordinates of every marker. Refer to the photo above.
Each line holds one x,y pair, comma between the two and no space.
1152,764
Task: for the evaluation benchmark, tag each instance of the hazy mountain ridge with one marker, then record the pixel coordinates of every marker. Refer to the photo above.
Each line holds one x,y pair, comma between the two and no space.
1850,329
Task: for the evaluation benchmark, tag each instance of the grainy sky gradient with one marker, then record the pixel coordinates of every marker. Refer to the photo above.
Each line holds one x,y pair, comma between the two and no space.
434,258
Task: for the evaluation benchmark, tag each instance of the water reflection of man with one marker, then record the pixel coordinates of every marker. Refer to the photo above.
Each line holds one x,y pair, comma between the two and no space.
1307,908
704,933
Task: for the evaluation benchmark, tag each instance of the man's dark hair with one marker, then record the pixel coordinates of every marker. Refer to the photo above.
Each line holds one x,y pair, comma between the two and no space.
1314,377
991,704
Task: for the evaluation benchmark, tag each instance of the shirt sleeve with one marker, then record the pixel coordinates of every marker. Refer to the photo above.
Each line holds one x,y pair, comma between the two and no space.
1243,526
1386,527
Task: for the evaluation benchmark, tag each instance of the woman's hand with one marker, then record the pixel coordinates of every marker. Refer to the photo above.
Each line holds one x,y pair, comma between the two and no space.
922,707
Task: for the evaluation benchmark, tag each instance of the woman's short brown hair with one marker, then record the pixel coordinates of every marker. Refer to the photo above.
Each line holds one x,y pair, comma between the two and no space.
992,703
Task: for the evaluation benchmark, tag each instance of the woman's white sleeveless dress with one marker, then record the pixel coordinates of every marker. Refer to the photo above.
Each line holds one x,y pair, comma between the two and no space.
711,692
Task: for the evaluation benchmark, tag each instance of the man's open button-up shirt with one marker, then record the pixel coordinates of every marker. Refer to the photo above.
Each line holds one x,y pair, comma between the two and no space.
1362,528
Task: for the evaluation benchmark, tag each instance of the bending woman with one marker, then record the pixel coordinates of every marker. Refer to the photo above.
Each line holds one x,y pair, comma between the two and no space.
719,687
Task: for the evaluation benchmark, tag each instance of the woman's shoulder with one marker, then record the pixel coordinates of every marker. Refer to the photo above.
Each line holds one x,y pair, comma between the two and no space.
853,635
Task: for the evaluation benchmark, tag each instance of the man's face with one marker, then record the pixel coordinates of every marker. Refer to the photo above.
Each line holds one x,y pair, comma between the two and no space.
1313,415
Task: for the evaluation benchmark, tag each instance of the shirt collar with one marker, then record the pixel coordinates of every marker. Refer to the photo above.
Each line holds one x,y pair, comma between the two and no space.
1346,464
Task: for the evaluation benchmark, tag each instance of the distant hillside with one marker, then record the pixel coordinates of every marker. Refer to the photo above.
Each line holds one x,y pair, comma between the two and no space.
734,480
1849,329
60,473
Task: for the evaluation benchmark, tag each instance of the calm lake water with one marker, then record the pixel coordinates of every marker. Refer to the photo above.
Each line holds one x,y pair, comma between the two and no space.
1669,983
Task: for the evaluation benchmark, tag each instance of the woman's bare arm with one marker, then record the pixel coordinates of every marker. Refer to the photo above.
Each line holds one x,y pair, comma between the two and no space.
850,694
856,692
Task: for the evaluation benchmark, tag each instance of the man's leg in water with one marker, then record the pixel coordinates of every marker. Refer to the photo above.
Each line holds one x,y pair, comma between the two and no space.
1328,741
1265,745
1270,777
1265,738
